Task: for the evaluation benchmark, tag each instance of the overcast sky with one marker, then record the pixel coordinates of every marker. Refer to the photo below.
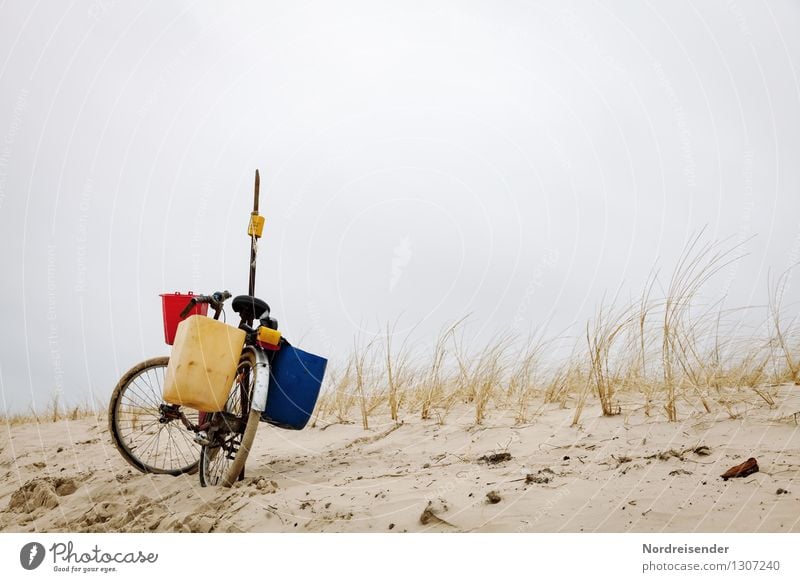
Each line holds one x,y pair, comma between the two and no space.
422,160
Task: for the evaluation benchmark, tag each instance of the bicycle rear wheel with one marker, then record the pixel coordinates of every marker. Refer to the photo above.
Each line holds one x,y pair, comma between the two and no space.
232,431
140,432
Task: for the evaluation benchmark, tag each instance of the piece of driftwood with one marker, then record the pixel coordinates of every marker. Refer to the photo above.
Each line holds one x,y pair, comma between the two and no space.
749,467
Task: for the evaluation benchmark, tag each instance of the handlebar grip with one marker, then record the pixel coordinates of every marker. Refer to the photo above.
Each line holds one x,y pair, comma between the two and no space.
188,307
220,297
216,300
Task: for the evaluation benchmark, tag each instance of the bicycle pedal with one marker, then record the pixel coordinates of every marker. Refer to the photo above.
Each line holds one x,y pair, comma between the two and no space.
201,438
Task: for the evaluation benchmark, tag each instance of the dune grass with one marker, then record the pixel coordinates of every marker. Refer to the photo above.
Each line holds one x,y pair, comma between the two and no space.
55,411
669,352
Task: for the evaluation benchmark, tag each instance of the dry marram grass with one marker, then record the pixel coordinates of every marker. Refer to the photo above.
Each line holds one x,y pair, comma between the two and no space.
662,353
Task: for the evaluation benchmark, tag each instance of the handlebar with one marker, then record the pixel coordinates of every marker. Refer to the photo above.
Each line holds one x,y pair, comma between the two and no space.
215,300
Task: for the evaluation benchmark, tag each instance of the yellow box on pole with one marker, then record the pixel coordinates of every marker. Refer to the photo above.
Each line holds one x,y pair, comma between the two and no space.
256,226
269,336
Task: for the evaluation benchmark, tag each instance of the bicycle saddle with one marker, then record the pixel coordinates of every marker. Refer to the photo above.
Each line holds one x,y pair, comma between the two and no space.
250,308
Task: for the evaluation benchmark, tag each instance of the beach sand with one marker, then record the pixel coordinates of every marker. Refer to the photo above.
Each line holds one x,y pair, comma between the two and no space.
625,473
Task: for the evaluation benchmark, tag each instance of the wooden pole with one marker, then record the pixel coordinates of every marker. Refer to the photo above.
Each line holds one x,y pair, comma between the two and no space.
253,239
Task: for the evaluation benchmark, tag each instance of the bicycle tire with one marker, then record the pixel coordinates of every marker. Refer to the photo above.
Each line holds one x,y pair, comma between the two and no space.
149,445
215,470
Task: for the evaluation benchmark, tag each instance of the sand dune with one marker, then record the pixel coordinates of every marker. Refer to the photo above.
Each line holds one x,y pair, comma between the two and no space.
613,474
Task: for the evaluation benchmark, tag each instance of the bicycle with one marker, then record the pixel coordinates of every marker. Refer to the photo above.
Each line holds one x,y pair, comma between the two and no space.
167,443
159,437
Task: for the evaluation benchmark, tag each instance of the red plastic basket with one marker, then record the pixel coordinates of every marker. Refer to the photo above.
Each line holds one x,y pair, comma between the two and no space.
172,304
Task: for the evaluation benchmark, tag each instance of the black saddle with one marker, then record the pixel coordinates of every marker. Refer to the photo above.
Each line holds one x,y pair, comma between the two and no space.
250,308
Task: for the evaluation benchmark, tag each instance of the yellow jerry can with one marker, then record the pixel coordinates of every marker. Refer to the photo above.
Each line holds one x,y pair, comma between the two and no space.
203,363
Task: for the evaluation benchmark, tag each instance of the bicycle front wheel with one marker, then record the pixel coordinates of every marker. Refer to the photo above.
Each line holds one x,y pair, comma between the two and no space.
140,431
232,431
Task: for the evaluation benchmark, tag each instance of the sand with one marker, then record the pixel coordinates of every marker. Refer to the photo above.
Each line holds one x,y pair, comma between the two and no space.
626,473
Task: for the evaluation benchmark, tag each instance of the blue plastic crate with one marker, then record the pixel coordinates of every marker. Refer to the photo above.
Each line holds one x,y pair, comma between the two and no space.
295,379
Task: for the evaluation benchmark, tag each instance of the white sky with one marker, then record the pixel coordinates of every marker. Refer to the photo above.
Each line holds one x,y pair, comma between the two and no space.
513,160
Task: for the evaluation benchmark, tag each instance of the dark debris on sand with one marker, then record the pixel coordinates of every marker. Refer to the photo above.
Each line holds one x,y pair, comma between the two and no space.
495,458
